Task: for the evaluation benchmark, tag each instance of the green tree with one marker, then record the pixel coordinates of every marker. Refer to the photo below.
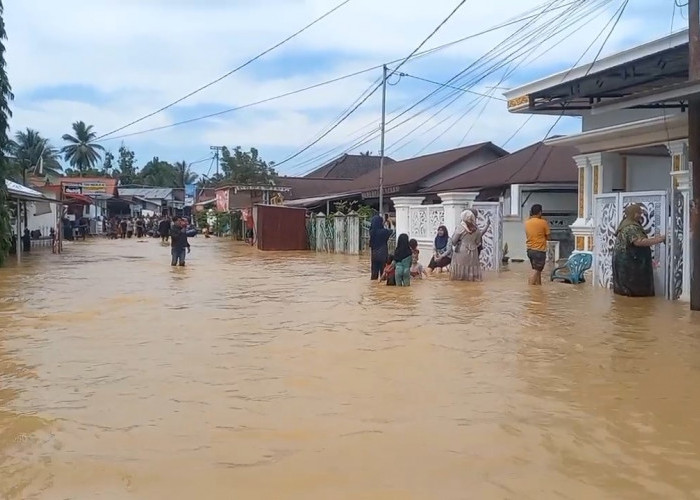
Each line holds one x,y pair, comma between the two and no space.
33,154
82,152
127,166
184,174
158,173
108,169
246,167
5,113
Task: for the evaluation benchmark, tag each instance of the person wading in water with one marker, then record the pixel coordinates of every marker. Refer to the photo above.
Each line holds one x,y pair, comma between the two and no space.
179,246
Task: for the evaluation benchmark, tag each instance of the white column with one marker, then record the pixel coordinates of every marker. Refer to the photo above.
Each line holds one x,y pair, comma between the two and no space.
515,191
339,232
606,173
353,231
583,228
402,204
680,175
454,204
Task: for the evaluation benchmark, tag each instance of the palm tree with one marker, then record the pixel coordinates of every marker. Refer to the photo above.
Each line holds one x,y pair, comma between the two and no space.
35,154
184,174
82,152
5,113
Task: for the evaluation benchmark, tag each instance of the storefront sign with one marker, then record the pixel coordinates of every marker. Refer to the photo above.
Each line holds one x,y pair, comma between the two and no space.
72,189
90,188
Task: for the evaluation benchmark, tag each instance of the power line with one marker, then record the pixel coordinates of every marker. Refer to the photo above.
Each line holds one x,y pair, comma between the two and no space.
327,82
345,117
452,87
238,68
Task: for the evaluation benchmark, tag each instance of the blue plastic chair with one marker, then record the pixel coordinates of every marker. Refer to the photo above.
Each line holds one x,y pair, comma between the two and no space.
572,271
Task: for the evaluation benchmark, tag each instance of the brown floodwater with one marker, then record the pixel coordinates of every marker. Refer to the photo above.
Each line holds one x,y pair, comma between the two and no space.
250,375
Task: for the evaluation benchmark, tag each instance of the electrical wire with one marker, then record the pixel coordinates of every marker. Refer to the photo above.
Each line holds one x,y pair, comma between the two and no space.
238,68
451,87
377,87
548,8
327,82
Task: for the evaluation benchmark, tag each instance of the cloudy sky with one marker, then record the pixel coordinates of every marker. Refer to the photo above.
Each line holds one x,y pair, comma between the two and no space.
109,62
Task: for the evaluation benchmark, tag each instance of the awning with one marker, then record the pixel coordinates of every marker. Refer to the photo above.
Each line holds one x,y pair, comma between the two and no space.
20,192
80,199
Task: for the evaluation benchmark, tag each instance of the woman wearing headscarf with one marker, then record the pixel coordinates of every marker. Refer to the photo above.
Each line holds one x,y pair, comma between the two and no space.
442,250
379,245
466,241
403,257
632,270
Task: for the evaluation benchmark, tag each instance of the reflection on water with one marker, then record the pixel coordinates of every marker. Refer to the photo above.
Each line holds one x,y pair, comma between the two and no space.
249,375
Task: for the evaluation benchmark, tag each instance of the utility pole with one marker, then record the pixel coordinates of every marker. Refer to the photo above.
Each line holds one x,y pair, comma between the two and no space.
694,151
217,149
381,147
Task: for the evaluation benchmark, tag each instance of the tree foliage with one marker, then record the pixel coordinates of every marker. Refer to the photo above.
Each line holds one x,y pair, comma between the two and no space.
127,165
81,152
246,167
5,113
33,154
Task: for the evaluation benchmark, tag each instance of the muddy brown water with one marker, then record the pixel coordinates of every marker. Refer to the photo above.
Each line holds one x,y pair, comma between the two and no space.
264,376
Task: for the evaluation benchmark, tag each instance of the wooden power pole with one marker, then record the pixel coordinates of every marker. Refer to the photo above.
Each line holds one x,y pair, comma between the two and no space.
694,151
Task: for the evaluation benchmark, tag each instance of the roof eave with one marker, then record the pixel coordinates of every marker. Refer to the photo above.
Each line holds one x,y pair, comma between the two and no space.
626,56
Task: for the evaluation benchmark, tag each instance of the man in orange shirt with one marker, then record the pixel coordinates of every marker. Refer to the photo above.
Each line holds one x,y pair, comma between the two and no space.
537,233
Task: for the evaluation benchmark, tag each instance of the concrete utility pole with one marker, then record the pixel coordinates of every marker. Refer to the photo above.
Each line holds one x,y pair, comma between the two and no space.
694,151
381,147
217,149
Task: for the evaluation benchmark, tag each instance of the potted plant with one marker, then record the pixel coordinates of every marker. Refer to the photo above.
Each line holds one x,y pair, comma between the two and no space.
505,258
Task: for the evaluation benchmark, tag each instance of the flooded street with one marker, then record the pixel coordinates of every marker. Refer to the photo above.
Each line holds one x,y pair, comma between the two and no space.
291,376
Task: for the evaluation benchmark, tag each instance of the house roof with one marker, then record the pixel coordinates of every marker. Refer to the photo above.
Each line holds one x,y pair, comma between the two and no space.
21,192
309,187
639,69
148,193
348,167
415,170
535,164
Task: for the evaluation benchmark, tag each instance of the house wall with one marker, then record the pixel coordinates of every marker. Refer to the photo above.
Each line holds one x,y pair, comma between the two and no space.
593,122
556,204
648,173
473,161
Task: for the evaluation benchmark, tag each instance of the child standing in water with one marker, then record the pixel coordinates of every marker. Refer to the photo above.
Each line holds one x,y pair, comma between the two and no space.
417,269
403,257
389,273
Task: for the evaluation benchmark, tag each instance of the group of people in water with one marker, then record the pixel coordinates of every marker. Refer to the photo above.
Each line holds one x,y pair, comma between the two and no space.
458,254
632,260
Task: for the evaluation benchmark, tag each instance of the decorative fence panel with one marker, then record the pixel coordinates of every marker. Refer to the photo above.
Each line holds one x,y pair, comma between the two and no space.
337,233
492,241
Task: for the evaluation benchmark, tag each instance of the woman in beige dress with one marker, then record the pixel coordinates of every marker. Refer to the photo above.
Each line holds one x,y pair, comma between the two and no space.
466,241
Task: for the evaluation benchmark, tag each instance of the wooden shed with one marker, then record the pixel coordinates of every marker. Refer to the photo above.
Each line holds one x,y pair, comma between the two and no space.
280,228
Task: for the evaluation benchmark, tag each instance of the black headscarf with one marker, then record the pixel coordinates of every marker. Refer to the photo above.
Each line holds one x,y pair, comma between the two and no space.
378,236
441,241
403,249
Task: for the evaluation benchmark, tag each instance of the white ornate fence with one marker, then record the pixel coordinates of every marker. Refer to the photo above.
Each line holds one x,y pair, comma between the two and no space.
338,233
421,222
608,211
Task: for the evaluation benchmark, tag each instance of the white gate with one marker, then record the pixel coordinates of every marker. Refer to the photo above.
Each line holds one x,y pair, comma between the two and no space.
675,246
424,220
609,210
492,251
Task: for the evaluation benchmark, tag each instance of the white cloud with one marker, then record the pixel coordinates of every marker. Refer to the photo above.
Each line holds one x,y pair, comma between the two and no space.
142,55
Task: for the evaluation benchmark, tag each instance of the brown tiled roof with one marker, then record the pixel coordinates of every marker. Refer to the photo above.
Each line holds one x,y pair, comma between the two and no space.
348,167
414,170
537,163
308,187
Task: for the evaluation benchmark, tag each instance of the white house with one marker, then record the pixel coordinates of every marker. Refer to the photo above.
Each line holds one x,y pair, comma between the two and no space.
632,149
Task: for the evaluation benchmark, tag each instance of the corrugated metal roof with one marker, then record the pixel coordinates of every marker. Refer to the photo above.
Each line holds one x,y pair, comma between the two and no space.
148,193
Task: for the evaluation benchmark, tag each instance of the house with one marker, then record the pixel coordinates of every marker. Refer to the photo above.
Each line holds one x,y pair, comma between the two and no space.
150,200
348,166
632,148
401,177
537,174
240,197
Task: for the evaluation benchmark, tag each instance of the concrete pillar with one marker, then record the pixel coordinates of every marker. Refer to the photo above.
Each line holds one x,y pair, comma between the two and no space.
454,204
680,175
515,194
582,228
321,244
402,205
352,226
606,174
340,233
